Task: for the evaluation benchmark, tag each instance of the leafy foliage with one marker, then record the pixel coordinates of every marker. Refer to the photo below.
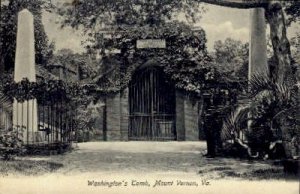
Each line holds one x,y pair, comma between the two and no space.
292,9
82,66
8,31
42,91
93,14
231,58
10,144
295,51
234,124
273,115
127,21
184,60
85,122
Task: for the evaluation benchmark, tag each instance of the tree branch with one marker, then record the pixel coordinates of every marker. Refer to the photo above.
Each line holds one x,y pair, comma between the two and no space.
240,4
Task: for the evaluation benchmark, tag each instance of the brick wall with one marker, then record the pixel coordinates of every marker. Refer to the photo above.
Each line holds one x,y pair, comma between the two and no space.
191,119
187,119
188,122
124,114
201,107
98,125
113,118
180,126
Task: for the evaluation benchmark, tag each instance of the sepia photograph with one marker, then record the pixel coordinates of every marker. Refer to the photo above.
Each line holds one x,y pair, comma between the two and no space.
150,96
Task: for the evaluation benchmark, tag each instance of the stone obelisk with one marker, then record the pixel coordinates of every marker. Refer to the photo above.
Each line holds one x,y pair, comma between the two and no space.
258,63
25,118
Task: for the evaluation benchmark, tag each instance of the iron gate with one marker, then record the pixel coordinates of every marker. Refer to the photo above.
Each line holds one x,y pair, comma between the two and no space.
151,106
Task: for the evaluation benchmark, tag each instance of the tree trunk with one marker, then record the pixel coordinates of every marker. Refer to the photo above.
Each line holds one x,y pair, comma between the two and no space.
240,4
282,72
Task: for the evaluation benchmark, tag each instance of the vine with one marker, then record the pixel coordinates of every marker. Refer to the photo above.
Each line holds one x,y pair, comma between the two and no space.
185,59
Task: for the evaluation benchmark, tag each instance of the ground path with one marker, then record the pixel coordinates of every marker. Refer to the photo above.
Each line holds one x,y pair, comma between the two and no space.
134,162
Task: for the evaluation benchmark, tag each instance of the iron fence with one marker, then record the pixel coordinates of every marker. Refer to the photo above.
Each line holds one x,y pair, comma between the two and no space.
42,114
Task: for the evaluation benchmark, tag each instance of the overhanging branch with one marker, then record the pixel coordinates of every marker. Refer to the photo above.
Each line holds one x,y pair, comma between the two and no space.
240,4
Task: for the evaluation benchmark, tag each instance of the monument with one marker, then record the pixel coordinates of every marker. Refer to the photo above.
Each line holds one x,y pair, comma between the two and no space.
258,45
25,118
258,62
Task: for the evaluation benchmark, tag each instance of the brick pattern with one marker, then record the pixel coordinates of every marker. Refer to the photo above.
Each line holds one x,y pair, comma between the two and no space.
187,119
191,119
113,118
201,107
180,126
124,114
98,126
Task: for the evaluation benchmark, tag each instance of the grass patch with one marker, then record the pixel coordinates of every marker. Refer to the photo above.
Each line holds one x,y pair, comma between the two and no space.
27,167
272,173
262,174
221,168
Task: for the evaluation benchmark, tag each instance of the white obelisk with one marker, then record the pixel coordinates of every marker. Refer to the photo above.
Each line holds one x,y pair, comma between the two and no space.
258,62
25,113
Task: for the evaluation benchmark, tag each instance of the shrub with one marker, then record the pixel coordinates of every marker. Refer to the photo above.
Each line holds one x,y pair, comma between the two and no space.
80,135
274,118
11,145
259,140
234,150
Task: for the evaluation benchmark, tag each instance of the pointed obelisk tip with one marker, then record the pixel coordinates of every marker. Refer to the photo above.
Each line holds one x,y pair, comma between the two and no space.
24,10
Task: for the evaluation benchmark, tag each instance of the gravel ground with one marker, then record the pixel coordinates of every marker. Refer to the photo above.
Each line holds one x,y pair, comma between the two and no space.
134,157
151,161
159,157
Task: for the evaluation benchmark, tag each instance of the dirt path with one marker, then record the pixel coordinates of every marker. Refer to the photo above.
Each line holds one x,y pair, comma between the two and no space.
159,157
134,157
102,163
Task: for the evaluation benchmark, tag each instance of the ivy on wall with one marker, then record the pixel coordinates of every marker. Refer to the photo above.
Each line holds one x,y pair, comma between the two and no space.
185,59
43,90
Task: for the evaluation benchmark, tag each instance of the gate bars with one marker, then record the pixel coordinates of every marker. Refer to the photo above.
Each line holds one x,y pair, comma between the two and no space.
56,103
151,106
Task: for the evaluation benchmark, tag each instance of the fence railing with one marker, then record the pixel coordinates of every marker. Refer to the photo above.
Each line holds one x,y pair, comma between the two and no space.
43,114
5,120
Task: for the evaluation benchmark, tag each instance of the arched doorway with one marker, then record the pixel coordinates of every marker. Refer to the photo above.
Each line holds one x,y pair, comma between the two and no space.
152,105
